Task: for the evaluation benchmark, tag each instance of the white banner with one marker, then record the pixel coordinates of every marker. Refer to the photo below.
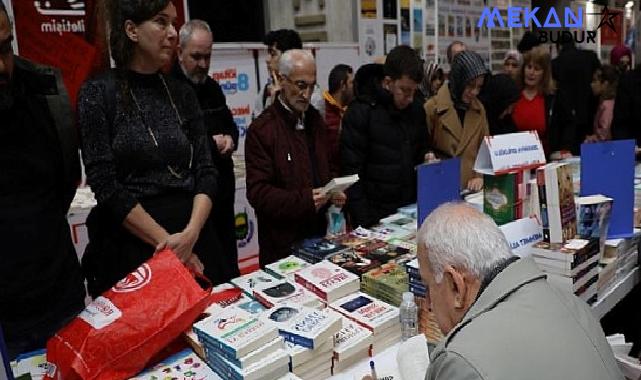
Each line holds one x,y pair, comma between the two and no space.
522,234
513,151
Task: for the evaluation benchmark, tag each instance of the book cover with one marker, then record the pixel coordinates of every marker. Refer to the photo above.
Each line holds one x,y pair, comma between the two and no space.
304,326
340,184
561,210
285,268
593,218
184,365
249,281
501,197
543,203
328,281
285,291
353,262
373,314
235,331
315,250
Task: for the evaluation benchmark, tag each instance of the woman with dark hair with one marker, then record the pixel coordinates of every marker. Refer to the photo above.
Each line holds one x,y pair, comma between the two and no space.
456,118
145,152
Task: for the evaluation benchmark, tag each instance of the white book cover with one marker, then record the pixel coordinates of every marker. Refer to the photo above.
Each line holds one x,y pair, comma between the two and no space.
252,280
299,355
285,292
328,281
235,331
285,268
373,314
304,326
351,339
340,184
339,365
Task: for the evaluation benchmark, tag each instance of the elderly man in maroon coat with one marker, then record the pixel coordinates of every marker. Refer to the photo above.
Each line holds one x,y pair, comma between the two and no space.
287,162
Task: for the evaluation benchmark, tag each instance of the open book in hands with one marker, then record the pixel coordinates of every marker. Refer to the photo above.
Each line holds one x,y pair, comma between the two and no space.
339,184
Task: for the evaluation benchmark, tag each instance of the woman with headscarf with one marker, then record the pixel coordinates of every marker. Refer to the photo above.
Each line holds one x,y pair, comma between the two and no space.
456,118
621,57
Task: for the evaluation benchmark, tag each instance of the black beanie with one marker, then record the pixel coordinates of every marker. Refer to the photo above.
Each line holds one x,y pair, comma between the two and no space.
467,66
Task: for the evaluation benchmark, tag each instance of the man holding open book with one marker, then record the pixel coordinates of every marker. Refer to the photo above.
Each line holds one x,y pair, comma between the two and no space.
287,163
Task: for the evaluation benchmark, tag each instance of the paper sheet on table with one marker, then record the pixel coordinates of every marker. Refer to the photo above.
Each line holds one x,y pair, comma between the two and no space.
413,358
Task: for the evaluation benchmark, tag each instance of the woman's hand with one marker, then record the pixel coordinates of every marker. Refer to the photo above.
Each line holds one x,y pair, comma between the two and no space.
193,263
475,184
181,243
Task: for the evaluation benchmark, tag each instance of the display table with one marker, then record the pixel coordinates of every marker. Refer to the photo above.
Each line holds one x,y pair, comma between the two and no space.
616,293
384,361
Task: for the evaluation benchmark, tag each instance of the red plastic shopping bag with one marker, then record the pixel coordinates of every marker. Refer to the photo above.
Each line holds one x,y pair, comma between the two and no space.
117,334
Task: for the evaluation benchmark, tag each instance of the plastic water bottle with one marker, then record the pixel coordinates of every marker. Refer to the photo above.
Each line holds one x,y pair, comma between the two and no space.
409,316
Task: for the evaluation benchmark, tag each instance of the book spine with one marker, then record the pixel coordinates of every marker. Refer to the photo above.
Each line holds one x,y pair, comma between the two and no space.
540,182
297,339
215,350
263,300
305,283
223,368
206,339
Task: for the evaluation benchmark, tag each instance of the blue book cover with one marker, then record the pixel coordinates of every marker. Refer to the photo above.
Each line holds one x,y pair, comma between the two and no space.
608,168
438,183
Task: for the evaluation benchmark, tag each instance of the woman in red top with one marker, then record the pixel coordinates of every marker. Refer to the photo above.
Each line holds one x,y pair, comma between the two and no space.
533,109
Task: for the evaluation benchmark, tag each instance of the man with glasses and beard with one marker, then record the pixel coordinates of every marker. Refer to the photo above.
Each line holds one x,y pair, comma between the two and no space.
41,285
194,58
287,162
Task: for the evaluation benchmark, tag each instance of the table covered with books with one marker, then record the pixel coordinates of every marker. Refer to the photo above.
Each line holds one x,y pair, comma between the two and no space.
332,306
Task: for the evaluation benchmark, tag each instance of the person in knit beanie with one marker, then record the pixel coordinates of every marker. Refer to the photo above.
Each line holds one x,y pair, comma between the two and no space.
456,118
621,57
498,95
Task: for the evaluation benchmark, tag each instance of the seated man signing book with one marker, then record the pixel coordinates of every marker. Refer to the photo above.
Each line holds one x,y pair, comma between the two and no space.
503,320
287,163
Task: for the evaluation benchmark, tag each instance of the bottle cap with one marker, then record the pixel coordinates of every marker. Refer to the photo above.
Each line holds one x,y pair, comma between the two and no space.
408,296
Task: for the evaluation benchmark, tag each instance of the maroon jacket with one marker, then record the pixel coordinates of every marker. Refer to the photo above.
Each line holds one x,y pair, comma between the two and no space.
280,178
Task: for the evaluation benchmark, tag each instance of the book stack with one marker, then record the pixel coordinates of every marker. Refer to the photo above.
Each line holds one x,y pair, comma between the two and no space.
426,319
351,345
409,210
572,266
311,364
387,283
241,346
350,260
400,220
316,250
328,281
304,326
556,195
252,280
387,232
285,268
379,317
285,292
502,197
624,253
593,218
339,184
416,284
236,298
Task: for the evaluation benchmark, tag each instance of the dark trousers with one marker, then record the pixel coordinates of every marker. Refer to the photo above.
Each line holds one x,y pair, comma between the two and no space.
223,218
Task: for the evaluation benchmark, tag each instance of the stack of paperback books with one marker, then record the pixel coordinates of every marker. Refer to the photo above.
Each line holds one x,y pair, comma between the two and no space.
426,319
593,218
572,266
285,268
304,326
351,345
328,281
316,250
241,346
286,292
308,363
387,283
379,317
350,260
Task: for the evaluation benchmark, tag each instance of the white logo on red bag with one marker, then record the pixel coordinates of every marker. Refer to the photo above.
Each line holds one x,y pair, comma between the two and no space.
101,313
135,280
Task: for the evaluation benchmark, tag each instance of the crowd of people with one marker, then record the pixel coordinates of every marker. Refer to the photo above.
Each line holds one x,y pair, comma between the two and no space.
157,149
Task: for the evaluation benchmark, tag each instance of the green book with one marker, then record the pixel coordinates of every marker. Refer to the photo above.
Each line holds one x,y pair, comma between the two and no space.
500,197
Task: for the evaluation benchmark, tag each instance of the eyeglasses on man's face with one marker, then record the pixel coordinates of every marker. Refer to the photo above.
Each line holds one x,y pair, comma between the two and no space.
301,85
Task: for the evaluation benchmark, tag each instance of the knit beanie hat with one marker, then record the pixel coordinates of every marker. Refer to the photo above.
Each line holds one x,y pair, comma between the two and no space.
467,66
